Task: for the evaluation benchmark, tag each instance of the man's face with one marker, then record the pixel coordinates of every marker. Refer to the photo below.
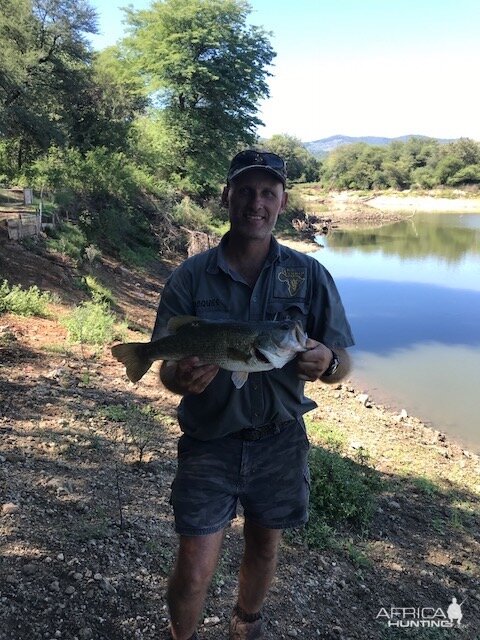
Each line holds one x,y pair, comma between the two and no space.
254,199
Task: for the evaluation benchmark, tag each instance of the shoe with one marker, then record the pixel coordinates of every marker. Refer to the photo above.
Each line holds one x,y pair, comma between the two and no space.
240,630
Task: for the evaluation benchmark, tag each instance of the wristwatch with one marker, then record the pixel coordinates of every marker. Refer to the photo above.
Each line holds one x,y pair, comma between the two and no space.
332,367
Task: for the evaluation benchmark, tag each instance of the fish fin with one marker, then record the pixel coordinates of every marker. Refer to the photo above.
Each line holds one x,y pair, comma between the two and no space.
134,355
239,378
179,321
277,362
236,354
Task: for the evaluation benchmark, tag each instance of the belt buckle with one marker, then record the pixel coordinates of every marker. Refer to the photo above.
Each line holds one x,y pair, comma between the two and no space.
250,435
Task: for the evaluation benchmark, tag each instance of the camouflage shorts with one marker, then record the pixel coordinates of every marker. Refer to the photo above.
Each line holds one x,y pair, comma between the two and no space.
269,477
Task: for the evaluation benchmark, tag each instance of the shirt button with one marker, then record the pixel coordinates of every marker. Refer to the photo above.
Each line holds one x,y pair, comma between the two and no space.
254,299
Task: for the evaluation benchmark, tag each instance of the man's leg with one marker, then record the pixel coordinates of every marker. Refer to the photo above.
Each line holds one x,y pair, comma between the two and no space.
258,565
187,588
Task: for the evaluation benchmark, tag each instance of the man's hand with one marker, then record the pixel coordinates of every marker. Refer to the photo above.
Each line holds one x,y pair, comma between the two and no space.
312,364
187,376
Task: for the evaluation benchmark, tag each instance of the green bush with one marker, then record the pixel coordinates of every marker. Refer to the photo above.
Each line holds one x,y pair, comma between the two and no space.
341,495
295,209
98,291
137,256
68,239
191,215
24,302
93,323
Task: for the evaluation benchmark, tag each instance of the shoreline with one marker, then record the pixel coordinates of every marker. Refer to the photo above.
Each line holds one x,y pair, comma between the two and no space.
352,209
424,204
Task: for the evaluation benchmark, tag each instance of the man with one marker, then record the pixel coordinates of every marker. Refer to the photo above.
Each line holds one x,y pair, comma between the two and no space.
245,444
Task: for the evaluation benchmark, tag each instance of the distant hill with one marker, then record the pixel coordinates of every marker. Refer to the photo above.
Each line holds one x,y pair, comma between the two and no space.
321,147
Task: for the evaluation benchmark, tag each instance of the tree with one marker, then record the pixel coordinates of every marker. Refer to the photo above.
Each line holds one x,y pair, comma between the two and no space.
106,104
206,68
43,65
302,166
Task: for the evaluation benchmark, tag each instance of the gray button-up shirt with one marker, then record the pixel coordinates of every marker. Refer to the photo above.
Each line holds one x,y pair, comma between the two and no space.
291,285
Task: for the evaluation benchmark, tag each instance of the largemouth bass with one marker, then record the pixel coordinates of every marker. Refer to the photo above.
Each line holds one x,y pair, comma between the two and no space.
240,347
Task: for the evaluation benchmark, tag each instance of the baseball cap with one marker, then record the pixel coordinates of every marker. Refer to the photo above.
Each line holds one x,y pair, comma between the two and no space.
251,159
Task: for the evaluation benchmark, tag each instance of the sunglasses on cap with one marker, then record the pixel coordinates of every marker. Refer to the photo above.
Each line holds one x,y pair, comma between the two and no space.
252,159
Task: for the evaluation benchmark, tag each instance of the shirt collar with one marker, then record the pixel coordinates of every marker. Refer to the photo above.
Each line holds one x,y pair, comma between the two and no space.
219,261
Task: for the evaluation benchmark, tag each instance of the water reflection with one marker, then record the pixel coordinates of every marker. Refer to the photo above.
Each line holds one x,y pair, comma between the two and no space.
447,236
412,294
389,315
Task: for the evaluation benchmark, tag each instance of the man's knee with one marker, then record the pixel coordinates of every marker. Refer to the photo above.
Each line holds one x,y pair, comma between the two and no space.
196,561
262,543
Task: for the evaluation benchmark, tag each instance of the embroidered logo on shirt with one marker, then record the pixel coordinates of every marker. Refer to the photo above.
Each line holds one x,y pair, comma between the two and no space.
292,282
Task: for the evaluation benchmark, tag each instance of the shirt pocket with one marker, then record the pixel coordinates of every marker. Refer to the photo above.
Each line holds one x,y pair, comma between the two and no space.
288,310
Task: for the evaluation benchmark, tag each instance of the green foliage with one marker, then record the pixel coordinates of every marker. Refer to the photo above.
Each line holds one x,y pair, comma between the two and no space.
295,209
302,166
191,215
24,302
207,66
137,256
43,68
110,198
341,494
98,291
68,239
333,438
93,323
422,162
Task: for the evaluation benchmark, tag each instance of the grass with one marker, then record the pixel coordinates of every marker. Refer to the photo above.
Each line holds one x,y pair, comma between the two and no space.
139,257
342,491
69,240
341,494
56,348
327,435
98,291
24,302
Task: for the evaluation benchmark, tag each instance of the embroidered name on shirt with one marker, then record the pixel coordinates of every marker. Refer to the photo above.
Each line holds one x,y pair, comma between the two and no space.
209,303
290,282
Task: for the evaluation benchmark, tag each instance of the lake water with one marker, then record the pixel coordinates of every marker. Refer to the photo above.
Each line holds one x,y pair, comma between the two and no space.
412,294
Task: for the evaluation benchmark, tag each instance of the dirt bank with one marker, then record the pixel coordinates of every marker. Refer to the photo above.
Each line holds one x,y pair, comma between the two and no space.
413,204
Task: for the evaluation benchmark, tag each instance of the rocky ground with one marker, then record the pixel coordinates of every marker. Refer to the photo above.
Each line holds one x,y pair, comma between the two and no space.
86,529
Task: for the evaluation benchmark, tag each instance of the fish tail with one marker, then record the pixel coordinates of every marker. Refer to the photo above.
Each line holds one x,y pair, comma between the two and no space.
134,355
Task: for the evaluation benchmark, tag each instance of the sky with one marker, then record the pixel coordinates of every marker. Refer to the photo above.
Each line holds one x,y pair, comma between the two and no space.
360,67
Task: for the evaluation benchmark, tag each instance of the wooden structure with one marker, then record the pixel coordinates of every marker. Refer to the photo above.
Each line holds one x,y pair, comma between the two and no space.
24,226
20,215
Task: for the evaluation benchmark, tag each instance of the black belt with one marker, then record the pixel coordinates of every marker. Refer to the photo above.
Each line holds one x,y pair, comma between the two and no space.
260,432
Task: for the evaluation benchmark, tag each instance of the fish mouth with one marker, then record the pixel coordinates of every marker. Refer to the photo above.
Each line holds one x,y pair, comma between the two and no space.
300,335
261,356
